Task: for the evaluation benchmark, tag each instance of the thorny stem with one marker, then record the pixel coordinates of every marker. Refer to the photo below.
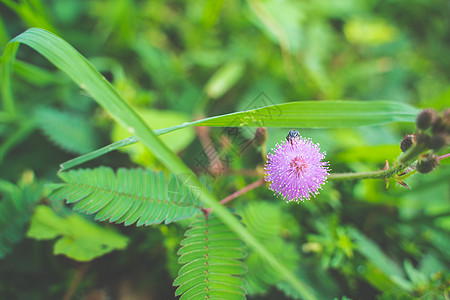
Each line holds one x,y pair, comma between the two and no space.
236,194
404,160
407,158
365,175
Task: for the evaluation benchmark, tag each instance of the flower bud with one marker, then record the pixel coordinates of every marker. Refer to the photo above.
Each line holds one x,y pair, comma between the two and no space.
425,118
407,142
422,139
427,163
260,137
438,125
439,141
446,120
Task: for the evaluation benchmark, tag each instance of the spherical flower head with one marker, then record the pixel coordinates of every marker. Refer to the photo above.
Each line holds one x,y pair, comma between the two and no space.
295,169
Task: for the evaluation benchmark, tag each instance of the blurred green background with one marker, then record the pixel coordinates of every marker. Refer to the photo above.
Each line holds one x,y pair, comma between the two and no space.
177,61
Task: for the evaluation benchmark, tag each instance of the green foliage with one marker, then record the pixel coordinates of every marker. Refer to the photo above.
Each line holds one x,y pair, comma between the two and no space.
375,256
16,209
223,79
77,238
211,255
231,60
70,131
66,58
332,243
431,276
269,223
128,196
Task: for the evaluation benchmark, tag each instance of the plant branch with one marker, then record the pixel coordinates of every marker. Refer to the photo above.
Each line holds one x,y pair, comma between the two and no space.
236,194
404,160
76,280
366,175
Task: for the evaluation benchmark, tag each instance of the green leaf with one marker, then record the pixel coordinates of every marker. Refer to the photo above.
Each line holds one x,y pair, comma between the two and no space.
317,114
304,114
78,238
16,209
128,196
211,256
223,79
97,153
70,131
46,225
8,59
376,256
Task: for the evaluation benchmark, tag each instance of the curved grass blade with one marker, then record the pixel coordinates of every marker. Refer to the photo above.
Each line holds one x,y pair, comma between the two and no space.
317,114
102,151
67,59
97,153
7,63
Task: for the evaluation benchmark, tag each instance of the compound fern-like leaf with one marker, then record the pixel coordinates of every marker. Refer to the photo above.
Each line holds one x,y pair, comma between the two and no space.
128,196
70,131
16,209
211,256
271,224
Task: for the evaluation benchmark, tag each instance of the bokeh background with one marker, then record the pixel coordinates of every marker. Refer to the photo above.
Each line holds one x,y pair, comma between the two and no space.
176,61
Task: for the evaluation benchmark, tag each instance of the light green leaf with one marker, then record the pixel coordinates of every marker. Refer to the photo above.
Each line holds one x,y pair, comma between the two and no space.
46,225
78,238
317,114
224,79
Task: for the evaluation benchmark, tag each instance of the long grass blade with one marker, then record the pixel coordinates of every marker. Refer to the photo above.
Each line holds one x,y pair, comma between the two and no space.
302,114
67,59
97,153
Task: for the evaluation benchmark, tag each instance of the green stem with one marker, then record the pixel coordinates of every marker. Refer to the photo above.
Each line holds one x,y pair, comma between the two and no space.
366,175
408,157
404,160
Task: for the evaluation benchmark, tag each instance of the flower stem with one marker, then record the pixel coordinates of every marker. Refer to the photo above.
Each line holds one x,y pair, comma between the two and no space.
444,156
237,194
365,175
408,157
404,160
242,191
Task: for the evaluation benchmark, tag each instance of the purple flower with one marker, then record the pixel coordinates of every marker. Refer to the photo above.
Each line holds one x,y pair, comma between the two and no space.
295,170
